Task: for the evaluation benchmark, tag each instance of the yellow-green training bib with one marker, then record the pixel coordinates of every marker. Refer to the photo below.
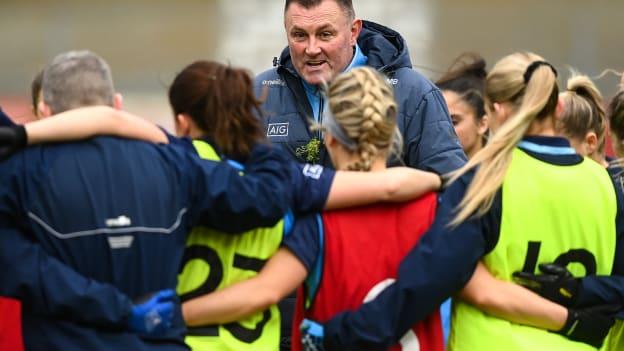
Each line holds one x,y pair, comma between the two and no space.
549,214
214,260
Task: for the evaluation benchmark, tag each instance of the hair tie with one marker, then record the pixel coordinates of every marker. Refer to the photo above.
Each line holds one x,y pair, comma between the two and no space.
331,126
533,66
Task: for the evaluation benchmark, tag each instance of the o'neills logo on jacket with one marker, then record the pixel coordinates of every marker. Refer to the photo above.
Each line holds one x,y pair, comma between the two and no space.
277,129
274,82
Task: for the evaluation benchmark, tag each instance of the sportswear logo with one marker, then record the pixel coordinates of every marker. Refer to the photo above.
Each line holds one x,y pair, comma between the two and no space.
312,171
392,81
120,242
121,221
277,129
274,82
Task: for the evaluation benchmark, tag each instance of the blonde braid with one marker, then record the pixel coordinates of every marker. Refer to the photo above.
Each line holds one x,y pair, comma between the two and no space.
363,104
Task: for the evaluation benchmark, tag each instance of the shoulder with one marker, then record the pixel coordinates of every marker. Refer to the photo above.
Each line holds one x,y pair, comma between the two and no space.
271,86
306,239
410,80
413,90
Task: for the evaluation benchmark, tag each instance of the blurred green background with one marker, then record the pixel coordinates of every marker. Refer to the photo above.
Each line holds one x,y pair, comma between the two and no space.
147,41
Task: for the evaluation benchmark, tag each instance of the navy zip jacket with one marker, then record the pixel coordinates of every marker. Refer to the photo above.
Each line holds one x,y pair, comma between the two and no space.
108,212
430,142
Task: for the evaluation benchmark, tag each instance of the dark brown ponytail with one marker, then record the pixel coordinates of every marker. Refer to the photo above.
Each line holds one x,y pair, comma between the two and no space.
221,101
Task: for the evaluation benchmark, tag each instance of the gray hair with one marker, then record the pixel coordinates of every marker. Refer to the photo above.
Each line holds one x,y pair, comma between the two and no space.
77,79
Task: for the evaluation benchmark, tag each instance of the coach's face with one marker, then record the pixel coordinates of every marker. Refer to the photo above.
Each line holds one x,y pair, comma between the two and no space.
321,39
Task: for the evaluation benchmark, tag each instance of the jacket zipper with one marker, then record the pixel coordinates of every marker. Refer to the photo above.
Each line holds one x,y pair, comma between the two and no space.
319,133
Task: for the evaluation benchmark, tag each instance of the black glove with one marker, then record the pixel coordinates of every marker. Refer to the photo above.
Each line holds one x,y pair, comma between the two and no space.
556,284
589,325
12,139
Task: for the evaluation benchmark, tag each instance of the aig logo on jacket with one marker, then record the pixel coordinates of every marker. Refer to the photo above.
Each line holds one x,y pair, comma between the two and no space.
277,129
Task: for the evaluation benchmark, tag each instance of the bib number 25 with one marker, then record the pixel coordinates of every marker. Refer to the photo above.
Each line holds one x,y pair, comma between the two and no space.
211,258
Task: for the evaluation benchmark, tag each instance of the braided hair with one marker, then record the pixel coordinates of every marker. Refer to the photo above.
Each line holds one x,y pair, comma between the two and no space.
362,104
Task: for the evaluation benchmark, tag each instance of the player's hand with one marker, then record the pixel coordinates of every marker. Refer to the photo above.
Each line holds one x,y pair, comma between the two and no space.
589,325
153,316
12,139
556,283
311,335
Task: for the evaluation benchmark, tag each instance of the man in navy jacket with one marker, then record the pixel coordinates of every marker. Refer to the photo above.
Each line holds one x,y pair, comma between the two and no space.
86,217
325,39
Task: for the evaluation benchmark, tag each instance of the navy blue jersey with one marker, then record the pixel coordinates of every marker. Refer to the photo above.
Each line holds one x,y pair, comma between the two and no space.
117,212
442,263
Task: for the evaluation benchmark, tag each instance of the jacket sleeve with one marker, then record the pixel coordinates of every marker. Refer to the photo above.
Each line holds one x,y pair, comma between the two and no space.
47,286
430,140
598,290
226,201
438,266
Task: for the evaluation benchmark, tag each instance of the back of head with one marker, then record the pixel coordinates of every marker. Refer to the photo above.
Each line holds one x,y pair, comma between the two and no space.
221,102
77,79
582,111
363,106
466,78
527,85
346,5
616,121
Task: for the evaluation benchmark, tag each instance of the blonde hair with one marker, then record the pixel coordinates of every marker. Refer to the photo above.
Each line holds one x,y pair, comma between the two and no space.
363,105
582,111
533,100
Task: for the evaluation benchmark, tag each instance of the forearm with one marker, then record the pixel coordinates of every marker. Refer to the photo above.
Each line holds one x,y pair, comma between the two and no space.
512,302
280,276
230,304
395,184
87,122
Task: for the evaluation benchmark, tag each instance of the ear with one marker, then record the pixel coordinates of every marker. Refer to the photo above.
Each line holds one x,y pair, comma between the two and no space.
591,139
483,124
329,140
43,109
356,28
500,109
560,107
117,101
182,125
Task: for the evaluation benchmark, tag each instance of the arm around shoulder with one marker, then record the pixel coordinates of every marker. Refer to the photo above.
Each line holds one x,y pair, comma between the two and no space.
279,277
394,184
87,122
